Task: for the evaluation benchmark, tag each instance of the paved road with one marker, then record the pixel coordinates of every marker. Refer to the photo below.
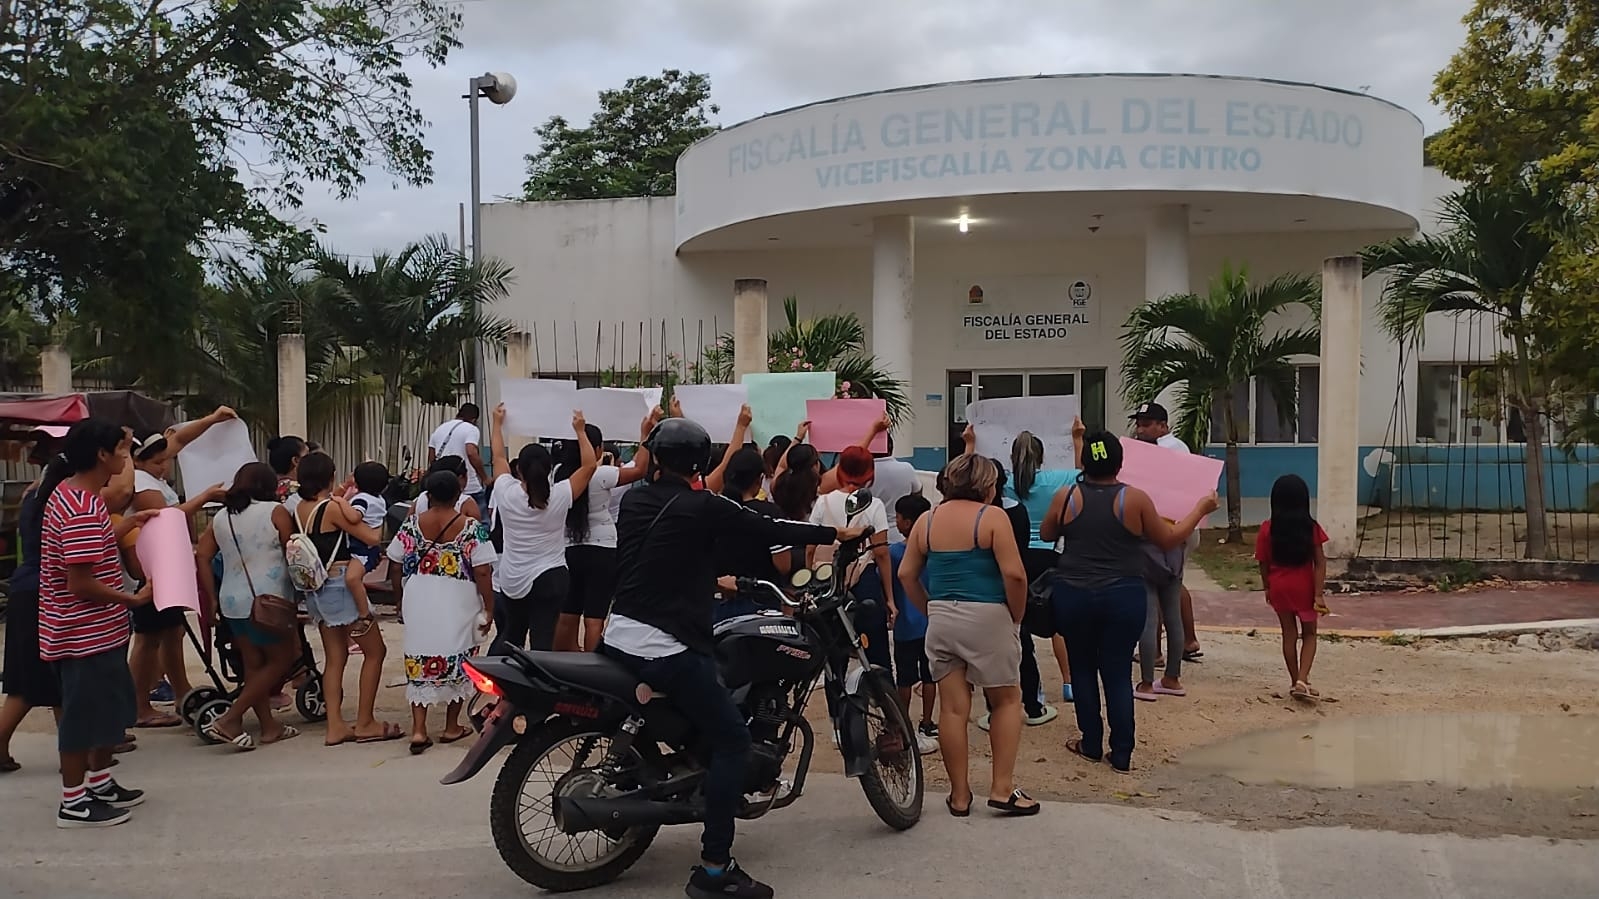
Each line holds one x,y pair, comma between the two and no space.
301,820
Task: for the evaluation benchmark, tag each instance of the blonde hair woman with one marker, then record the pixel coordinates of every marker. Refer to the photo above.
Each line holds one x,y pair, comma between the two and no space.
974,599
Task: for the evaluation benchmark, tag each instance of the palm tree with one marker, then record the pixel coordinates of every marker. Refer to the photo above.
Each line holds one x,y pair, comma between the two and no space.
242,318
1495,253
410,313
1209,346
835,342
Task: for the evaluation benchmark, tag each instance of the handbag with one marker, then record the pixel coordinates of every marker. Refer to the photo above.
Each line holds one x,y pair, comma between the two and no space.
268,611
1039,616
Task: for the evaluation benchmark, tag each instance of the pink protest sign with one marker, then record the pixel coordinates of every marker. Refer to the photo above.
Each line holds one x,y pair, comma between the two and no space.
167,558
1174,480
836,424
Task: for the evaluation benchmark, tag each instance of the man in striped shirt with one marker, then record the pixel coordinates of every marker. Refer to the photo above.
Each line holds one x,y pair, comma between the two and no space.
84,624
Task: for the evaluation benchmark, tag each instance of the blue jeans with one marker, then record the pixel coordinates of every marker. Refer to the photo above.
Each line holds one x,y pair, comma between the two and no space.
691,685
1101,627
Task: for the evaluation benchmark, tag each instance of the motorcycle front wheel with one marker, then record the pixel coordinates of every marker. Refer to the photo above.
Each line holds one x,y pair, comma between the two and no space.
559,756
893,784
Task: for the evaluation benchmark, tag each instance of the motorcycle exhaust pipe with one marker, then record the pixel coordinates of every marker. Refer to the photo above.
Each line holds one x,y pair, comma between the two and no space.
575,816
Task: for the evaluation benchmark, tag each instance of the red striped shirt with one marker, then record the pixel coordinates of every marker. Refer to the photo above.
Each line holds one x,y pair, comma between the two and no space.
77,531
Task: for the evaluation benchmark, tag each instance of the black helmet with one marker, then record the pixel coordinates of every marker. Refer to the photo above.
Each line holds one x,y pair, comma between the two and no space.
680,446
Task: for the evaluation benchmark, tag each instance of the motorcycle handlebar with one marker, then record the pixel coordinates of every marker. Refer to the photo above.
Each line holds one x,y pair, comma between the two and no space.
757,585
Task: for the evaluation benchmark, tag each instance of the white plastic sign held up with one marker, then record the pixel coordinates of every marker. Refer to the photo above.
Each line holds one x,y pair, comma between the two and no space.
714,407
1049,418
539,407
617,413
215,456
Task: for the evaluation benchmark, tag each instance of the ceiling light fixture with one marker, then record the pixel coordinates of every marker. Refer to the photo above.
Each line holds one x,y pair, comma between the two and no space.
963,223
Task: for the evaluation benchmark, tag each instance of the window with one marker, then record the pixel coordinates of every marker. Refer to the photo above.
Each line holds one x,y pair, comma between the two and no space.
1457,404
1087,383
1255,411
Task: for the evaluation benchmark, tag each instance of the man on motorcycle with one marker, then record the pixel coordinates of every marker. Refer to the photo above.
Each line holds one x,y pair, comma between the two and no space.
660,623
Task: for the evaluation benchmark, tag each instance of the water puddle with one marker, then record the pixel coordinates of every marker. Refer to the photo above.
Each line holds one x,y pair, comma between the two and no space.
1476,751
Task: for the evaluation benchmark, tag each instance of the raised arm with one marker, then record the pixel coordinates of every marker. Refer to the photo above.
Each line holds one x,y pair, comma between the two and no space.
588,457
803,431
190,431
715,480
501,462
1078,430
640,466
969,438
1155,529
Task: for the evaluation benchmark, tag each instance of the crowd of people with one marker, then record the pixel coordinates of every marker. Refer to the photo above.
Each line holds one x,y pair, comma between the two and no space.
526,549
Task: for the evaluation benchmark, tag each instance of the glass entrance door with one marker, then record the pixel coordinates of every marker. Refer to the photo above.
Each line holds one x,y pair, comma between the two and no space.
966,387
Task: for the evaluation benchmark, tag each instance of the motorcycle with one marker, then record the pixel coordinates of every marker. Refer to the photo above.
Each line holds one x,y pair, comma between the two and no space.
600,764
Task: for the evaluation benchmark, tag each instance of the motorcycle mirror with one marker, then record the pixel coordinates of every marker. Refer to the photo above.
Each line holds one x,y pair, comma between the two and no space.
802,578
824,571
857,502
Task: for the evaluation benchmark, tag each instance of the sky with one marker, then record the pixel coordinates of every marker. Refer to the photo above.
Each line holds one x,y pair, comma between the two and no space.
767,55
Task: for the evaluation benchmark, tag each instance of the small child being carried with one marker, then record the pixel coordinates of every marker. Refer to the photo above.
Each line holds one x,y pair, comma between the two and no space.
370,480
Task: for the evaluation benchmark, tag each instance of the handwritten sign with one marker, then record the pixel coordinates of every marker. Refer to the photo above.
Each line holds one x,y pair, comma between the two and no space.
167,558
539,407
714,407
836,424
778,399
1174,481
1049,418
215,456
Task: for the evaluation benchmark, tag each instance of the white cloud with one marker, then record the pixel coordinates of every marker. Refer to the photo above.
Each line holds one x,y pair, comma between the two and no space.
772,54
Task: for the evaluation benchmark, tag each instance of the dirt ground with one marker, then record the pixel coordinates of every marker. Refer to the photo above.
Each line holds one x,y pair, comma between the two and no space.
1240,688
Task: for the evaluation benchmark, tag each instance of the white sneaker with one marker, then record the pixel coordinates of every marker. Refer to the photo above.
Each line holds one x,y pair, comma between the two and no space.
784,788
926,745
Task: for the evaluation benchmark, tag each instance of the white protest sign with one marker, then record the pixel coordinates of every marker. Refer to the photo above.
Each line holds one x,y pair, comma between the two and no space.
539,407
714,407
215,456
1049,418
652,395
617,413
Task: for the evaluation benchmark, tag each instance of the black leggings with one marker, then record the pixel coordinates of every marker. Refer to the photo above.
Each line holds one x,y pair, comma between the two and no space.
528,622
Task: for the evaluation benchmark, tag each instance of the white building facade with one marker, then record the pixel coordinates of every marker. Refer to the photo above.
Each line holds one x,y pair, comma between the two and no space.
993,237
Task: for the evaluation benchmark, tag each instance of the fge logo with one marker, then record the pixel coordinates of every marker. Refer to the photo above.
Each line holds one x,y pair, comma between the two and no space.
1079,292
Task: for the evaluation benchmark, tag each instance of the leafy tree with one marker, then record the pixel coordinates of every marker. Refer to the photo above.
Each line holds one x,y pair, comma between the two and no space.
630,146
131,132
834,342
1209,345
1493,256
409,314
23,331
240,323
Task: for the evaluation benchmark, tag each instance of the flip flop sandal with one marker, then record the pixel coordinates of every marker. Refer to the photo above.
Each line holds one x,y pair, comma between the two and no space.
158,721
1144,695
1195,657
1012,807
445,740
1168,691
390,732
243,742
1300,691
419,748
949,803
1075,747
289,732
122,748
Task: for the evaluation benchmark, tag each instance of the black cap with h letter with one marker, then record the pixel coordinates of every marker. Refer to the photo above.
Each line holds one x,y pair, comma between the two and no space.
1149,412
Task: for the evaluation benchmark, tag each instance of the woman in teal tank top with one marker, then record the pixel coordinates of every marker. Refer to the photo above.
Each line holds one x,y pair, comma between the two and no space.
975,595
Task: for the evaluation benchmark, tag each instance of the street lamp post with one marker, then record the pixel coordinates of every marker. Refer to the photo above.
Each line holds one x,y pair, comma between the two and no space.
498,88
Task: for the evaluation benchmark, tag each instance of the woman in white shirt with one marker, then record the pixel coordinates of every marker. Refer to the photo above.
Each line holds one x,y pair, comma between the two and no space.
531,584
591,541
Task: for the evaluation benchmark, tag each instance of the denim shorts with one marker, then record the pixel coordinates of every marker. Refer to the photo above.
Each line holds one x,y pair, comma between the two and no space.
333,605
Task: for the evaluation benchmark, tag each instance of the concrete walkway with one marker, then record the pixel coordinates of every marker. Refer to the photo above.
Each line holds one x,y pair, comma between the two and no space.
301,820
1387,612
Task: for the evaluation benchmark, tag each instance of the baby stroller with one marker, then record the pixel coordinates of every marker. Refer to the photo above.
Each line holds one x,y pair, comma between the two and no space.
202,706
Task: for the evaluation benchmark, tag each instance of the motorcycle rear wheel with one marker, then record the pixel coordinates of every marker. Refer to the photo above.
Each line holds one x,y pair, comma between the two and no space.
894,783
556,867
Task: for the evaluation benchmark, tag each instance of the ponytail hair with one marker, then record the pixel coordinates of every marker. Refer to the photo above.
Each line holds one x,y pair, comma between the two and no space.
577,517
1026,457
533,467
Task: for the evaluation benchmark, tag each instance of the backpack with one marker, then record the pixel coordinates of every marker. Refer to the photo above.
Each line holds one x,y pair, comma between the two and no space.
307,570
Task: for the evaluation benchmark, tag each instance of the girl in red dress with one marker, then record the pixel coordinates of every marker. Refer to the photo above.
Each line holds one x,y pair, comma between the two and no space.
1294,569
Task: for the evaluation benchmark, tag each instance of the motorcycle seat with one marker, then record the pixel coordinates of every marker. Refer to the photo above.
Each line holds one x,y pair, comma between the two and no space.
587,671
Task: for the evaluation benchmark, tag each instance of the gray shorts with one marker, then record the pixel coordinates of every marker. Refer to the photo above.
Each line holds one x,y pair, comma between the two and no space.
977,636
97,705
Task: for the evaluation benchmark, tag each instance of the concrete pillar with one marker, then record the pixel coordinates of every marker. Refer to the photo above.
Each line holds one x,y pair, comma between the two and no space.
893,296
1338,450
1165,265
749,327
55,370
292,418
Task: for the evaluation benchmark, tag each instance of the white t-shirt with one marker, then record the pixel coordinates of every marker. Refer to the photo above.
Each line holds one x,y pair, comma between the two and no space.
143,480
616,495
895,478
535,539
602,521
829,511
644,641
373,509
451,439
420,504
1172,443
